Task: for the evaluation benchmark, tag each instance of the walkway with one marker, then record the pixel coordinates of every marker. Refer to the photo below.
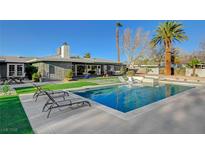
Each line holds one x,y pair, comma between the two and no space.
184,113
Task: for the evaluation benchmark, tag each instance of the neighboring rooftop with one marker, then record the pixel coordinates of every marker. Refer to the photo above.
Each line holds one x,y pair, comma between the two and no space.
15,59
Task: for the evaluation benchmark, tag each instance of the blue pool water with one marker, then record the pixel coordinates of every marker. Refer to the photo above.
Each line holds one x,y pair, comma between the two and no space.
124,98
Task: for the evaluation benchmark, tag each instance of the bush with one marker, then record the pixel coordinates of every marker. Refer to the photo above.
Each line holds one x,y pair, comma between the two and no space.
6,88
130,73
194,75
180,71
36,77
69,74
30,70
122,70
161,71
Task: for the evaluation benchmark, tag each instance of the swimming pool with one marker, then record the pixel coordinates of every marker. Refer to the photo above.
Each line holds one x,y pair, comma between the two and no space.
125,98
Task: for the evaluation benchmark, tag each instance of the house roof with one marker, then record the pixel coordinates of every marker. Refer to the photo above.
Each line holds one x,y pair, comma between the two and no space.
77,60
14,59
18,59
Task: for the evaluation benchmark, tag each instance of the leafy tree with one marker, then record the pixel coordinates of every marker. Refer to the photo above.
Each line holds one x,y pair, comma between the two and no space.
193,63
30,70
87,55
166,34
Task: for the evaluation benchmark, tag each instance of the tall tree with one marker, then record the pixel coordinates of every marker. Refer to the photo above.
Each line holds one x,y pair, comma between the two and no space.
118,25
87,55
166,34
135,47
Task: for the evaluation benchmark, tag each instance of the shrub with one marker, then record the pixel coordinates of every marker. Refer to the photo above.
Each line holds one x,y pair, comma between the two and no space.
6,88
194,75
122,70
30,70
69,74
148,70
130,73
180,71
36,77
161,71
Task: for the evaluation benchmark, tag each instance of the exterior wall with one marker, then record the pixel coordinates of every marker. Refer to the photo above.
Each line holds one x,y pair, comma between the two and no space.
199,72
59,69
154,71
15,69
3,70
148,70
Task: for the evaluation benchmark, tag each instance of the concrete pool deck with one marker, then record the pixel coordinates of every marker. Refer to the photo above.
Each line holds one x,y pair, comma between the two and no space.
182,113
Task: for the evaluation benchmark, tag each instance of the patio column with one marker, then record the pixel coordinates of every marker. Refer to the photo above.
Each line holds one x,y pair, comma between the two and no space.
86,68
76,70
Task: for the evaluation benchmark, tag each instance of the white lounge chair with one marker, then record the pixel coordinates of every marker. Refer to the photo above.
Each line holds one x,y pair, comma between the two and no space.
122,79
130,80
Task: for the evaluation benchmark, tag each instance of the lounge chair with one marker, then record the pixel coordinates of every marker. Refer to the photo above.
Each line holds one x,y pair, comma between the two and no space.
130,80
41,92
122,79
52,103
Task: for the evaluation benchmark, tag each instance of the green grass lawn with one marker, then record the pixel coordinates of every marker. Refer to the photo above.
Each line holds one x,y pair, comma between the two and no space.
103,80
70,85
13,119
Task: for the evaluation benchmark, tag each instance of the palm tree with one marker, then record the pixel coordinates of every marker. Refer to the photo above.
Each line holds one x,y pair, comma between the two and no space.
118,25
166,34
193,63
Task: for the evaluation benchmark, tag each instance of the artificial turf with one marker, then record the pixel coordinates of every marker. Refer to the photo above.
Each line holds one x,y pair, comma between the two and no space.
76,84
13,119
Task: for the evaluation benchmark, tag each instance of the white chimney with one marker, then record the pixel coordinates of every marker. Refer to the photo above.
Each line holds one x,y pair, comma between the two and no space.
65,51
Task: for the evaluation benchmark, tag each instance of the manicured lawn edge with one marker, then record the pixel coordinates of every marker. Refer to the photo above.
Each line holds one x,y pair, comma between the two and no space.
13,119
78,84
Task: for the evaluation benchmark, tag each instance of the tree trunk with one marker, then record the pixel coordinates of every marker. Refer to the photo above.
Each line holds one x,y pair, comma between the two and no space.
194,70
117,45
167,58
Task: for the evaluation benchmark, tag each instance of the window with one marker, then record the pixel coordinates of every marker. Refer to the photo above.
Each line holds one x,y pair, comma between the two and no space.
11,70
51,69
19,70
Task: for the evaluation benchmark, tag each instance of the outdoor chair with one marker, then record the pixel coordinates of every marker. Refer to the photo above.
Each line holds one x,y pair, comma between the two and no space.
53,103
122,80
41,92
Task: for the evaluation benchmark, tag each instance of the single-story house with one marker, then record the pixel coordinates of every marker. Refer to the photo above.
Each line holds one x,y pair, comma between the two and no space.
55,67
13,66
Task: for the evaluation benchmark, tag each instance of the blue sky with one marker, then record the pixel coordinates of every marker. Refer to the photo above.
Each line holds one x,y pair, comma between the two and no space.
41,38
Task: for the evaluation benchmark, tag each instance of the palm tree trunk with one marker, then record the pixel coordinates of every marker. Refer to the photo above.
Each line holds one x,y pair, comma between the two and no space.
168,58
117,45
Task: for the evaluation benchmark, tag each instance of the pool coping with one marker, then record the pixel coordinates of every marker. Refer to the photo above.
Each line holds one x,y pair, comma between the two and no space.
136,112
